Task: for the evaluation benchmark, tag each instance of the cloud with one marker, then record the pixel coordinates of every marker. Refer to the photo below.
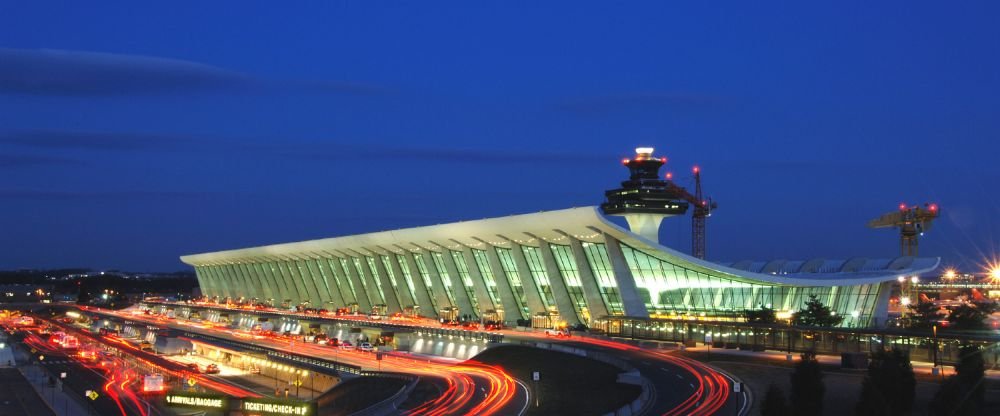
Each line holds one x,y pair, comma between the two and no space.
12,161
642,101
35,195
52,72
51,139
342,151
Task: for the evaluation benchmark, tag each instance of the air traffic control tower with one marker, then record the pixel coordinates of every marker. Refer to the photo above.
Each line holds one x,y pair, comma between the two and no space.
645,198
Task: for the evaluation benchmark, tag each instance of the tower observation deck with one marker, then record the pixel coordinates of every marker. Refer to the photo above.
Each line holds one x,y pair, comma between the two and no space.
645,198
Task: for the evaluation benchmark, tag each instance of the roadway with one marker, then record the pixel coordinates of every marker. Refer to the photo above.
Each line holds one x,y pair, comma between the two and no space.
466,388
680,385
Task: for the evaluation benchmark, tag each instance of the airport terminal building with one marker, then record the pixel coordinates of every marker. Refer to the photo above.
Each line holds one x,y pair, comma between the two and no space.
572,265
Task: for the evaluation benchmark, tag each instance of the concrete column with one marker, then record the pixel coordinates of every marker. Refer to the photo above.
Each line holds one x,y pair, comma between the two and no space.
200,275
403,280
297,282
222,281
330,281
342,280
402,288
465,305
277,280
631,302
204,280
478,281
316,293
591,291
215,281
420,287
392,293
564,303
374,294
253,281
243,287
270,291
364,302
531,293
512,311
437,280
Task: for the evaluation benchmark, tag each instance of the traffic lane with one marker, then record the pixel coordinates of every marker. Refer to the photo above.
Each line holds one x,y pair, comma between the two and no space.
79,379
495,388
671,383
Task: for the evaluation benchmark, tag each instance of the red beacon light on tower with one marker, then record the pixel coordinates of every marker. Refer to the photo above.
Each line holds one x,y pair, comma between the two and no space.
902,206
669,176
696,169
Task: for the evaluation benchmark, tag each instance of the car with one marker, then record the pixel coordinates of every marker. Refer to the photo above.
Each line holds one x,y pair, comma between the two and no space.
346,345
146,346
322,312
366,347
321,339
333,342
212,369
471,325
192,367
557,332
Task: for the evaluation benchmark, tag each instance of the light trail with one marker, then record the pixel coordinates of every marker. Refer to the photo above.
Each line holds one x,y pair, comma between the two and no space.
460,379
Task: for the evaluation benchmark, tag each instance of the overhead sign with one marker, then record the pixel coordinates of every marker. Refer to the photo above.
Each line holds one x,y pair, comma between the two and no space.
275,407
204,401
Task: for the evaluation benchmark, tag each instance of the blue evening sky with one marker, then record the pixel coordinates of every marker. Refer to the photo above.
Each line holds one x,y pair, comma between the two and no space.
132,132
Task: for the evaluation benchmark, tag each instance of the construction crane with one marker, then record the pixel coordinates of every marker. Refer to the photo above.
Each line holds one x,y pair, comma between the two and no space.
912,222
702,210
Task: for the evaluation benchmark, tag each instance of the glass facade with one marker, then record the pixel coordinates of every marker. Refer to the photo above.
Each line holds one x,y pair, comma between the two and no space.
537,268
666,289
465,279
510,270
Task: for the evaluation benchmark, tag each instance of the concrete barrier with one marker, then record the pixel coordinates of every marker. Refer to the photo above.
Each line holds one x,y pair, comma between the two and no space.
389,406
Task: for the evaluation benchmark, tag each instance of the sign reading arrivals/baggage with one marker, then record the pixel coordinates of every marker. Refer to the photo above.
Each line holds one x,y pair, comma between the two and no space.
197,400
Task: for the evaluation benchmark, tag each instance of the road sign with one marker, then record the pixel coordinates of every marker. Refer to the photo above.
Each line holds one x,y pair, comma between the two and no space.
192,381
378,355
737,387
62,375
92,395
33,350
534,376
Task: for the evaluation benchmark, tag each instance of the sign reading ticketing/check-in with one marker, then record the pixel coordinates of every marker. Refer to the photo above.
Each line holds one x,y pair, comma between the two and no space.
272,407
197,400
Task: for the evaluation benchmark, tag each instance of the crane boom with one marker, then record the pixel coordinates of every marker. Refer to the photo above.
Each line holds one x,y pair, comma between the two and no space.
912,223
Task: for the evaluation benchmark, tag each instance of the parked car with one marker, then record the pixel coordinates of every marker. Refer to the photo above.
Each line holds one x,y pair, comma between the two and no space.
557,332
192,367
212,369
366,347
346,345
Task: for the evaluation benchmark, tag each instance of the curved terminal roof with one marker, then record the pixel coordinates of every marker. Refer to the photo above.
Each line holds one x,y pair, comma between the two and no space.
556,227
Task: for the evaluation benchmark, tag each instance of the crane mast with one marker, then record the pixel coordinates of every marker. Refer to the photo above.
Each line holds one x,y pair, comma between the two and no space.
912,222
